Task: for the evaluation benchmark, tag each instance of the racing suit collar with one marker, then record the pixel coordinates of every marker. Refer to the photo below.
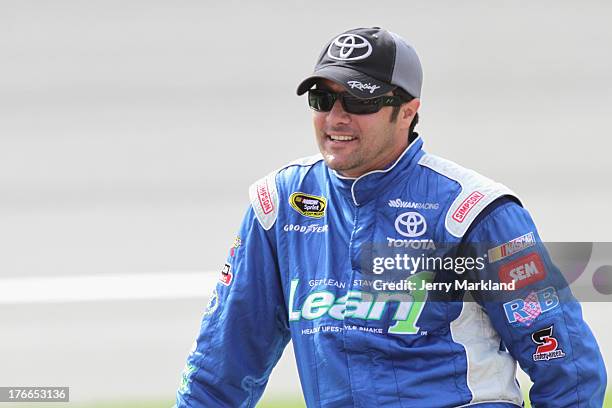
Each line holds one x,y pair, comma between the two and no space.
371,185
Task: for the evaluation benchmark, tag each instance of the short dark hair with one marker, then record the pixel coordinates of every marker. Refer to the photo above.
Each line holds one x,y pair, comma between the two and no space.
406,97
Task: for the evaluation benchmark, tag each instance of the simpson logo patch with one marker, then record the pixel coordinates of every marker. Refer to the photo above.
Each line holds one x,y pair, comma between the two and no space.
467,205
263,193
308,205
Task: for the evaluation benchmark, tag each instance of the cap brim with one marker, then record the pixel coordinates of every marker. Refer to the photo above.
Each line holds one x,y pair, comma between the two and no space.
356,83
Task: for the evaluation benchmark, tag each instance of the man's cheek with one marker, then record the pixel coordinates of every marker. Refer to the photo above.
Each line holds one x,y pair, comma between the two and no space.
318,119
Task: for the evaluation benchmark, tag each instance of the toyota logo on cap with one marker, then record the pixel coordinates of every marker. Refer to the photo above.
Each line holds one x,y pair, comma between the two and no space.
349,47
410,224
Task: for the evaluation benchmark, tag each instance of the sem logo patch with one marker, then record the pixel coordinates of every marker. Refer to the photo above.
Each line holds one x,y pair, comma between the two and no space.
308,205
467,205
524,271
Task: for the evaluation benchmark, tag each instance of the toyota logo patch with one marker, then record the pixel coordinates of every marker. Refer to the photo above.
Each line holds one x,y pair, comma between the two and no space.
410,224
349,47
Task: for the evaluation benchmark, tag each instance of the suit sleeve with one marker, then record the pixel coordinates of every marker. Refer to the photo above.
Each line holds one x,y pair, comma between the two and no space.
244,328
540,322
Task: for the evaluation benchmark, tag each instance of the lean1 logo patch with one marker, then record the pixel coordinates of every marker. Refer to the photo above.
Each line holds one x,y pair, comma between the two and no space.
308,205
363,305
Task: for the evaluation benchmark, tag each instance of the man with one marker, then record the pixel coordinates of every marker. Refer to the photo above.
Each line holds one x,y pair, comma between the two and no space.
325,236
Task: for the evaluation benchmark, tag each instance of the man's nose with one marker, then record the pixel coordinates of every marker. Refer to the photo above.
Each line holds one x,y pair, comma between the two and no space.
337,114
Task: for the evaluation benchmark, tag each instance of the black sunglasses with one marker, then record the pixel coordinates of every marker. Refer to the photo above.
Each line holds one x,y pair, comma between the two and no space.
322,100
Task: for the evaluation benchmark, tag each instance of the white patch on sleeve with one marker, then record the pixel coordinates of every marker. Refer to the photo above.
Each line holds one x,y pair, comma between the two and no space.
477,192
264,200
264,192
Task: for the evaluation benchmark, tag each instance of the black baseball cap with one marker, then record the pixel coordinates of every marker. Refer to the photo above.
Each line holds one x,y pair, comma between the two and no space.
368,62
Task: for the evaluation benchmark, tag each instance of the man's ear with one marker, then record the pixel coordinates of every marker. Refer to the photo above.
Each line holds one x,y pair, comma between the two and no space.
407,112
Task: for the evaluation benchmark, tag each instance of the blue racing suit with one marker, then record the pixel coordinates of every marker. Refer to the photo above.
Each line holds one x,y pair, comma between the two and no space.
305,267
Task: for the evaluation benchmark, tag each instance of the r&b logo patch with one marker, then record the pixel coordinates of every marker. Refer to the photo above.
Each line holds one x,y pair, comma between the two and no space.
526,311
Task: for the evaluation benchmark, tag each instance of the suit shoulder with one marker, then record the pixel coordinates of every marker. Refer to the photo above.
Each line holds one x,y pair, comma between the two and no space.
264,193
475,192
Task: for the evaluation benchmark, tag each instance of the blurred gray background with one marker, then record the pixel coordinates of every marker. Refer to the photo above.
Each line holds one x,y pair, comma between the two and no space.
130,131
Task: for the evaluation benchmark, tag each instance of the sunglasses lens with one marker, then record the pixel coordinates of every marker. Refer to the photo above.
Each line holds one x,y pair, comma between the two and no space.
323,101
361,106
320,101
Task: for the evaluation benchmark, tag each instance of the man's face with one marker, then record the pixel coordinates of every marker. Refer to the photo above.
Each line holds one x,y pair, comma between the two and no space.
356,144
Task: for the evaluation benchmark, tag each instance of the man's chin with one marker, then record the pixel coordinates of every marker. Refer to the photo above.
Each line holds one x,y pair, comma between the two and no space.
340,166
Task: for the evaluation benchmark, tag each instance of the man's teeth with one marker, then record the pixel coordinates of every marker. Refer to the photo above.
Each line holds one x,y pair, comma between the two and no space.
341,138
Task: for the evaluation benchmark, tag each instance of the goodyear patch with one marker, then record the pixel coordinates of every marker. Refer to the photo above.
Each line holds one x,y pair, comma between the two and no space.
308,205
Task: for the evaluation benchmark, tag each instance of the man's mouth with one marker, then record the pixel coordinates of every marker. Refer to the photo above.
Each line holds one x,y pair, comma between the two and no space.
341,138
